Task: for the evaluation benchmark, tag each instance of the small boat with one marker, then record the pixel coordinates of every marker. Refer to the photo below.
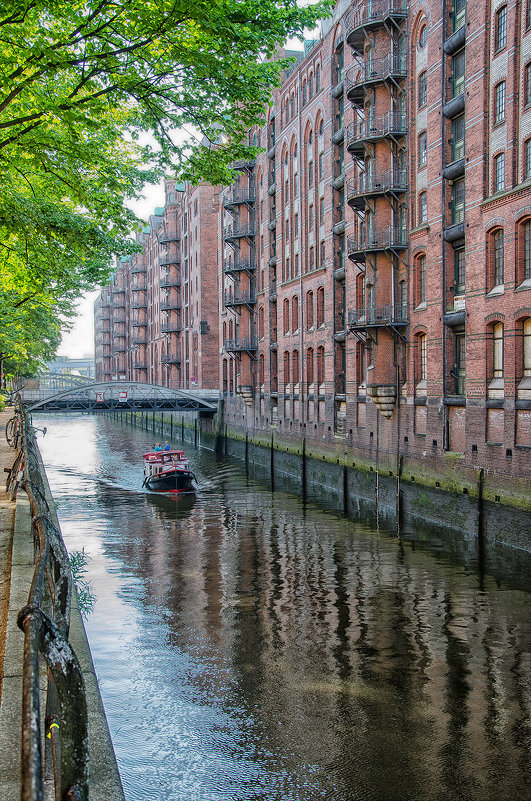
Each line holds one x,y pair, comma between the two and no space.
167,471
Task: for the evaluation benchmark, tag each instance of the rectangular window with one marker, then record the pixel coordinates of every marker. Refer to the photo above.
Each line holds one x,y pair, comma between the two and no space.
321,166
500,34
423,208
527,85
310,173
458,74
423,357
460,364
423,149
458,138
423,89
459,14
497,351
321,210
499,103
458,202
499,172
459,271
322,254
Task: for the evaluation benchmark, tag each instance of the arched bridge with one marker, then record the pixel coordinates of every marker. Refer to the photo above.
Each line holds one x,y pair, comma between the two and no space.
131,395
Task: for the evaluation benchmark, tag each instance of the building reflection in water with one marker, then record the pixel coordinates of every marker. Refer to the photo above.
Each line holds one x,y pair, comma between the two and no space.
307,657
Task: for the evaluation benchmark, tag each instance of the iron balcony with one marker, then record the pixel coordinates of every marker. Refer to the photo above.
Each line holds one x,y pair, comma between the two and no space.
170,259
170,283
387,239
138,268
168,237
242,265
168,306
171,328
374,316
375,70
391,181
239,299
139,304
140,366
137,287
240,195
170,359
239,230
239,344
371,14
392,125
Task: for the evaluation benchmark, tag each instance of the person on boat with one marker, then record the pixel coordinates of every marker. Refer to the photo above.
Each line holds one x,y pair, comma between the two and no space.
167,446
157,447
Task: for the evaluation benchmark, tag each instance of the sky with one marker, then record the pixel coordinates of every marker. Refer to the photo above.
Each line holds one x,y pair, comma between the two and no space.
78,343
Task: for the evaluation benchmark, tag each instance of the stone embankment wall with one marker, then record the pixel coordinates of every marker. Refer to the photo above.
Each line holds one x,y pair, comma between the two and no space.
376,492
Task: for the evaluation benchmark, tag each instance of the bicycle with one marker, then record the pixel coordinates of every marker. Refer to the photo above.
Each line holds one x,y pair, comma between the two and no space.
13,431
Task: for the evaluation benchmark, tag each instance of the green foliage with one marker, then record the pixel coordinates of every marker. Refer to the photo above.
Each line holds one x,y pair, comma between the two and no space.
2,403
83,84
84,589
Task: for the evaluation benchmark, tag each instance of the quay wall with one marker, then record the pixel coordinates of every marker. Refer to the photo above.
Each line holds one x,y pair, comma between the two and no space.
411,498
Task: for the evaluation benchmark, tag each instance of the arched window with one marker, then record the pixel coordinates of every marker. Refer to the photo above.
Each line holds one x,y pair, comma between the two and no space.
495,258
318,78
420,279
295,366
261,322
422,358
423,36
310,86
286,367
320,309
523,255
309,366
497,350
320,365
526,348
286,316
309,309
500,29
295,313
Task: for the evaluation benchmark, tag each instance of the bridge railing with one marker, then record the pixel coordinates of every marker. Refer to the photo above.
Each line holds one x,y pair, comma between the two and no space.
45,623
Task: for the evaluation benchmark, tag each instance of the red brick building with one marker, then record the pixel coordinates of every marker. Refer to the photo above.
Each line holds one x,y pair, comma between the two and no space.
377,255
157,320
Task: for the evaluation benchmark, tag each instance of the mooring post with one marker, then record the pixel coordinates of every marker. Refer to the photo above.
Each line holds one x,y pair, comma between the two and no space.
195,432
171,425
182,428
246,449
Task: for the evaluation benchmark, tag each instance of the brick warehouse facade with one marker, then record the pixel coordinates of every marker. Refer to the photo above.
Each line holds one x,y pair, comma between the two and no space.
374,263
390,283
157,321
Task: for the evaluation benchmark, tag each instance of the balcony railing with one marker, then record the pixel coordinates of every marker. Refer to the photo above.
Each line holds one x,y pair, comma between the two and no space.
242,265
392,124
171,328
376,70
140,340
377,316
239,298
374,12
368,183
241,344
139,287
167,258
168,306
140,366
239,230
240,195
139,304
170,359
386,239
138,268
168,237
136,323
170,283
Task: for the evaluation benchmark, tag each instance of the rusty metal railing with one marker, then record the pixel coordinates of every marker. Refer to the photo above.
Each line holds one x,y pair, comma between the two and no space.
45,623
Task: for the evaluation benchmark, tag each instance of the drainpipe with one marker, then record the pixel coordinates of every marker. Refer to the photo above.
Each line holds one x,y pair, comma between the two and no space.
301,314
445,432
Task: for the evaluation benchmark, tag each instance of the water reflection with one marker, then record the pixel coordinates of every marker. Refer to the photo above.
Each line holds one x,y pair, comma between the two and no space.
250,646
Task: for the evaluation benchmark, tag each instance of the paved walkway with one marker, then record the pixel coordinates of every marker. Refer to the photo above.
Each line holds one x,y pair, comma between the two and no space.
7,518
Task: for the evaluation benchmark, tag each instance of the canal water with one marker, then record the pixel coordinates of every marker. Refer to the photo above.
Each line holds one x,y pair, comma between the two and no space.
251,645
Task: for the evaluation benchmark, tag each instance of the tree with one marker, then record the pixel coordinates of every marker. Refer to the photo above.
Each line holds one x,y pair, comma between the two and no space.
81,81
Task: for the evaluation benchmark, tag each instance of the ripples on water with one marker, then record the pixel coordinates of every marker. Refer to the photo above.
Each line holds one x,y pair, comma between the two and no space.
252,646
